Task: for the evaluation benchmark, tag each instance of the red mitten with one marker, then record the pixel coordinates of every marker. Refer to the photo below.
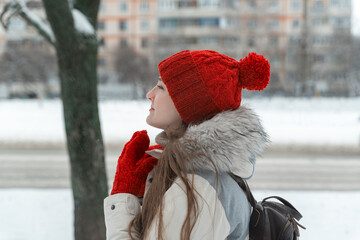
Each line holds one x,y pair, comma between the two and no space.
133,165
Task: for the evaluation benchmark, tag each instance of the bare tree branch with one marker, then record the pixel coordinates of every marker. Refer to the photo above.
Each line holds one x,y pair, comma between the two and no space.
19,8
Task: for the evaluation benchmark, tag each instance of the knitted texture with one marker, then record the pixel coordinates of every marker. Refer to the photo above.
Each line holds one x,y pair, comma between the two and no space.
134,166
254,72
204,83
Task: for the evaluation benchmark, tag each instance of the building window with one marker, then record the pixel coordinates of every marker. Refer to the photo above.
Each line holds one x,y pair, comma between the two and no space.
210,40
144,42
166,4
318,6
188,22
296,5
318,58
338,76
230,41
144,6
273,6
101,25
234,4
295,23
123,25
187,4
335,3
294,40
340,22
273,24
251,42
144,25
321,39
168,23
123,7
123,43
209,22
319,22
251,4
340,3
228,22
209,3
252,23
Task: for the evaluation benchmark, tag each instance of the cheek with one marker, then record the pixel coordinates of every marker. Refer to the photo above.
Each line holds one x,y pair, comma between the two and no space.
172,112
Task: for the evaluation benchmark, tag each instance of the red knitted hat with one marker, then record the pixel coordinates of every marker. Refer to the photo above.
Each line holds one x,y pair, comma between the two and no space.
204,83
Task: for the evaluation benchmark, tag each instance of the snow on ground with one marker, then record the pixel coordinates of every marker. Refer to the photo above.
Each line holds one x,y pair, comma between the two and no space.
38,214
314,121
42,214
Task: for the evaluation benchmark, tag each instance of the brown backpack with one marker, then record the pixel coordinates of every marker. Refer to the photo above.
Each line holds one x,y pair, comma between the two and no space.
271,220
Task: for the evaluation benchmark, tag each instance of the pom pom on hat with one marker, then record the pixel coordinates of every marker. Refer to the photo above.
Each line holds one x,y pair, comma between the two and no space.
204,83
254,72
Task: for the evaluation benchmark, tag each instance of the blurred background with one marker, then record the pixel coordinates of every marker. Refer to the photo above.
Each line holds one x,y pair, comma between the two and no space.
311,108
313,48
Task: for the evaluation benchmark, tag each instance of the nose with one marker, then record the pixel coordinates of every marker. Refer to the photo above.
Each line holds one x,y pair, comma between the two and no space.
150,95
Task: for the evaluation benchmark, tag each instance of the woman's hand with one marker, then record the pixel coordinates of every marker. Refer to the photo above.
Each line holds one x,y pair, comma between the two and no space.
134,165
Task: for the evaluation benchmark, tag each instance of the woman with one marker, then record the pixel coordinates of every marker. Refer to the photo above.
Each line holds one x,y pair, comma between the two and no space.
208,141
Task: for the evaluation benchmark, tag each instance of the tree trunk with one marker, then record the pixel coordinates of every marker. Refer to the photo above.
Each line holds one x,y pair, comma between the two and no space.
77,61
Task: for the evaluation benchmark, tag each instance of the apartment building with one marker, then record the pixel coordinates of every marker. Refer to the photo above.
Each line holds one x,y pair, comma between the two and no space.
274,28
27,60
328,38
198,25
123,24
232,27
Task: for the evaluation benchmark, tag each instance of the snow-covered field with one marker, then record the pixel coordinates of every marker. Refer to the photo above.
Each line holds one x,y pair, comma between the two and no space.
290,121
46,214
36,214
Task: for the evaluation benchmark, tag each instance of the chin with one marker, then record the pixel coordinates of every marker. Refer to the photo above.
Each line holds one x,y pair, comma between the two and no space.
153,123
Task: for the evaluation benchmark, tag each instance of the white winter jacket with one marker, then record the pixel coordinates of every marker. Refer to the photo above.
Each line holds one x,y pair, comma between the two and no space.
232,139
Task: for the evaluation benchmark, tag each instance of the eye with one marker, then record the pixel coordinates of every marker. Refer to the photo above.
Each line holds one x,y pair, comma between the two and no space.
160,87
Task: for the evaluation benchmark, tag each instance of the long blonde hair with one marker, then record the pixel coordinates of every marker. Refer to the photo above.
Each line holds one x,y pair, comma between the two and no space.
174,162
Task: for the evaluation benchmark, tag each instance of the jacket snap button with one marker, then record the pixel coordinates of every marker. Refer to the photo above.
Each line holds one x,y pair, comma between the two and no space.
112,207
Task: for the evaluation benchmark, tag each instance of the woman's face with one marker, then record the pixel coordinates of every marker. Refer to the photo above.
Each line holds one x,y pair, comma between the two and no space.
163,113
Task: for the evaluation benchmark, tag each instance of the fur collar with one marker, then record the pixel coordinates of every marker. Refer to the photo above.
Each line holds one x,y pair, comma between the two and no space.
232,139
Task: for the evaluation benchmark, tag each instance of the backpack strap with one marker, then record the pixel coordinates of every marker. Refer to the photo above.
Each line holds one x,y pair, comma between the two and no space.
256,214
245,187
258,207
296,214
